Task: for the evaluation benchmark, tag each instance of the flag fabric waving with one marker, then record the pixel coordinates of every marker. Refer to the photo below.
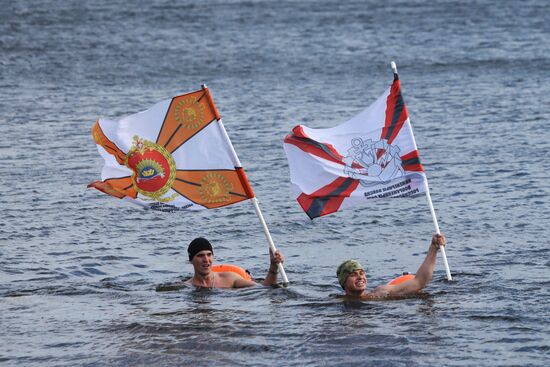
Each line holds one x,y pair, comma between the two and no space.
176,155
373,156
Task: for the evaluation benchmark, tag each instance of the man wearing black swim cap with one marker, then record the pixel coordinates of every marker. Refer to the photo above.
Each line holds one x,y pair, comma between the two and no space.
201,256
352,278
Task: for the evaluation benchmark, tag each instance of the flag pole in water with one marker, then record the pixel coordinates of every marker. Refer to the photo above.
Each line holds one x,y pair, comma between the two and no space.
430,204
245,183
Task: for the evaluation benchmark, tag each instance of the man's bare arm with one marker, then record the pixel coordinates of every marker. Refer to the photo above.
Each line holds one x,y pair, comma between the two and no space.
274,259
243,283
423,274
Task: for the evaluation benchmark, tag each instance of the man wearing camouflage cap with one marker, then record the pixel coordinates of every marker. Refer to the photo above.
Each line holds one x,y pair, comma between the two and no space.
352,278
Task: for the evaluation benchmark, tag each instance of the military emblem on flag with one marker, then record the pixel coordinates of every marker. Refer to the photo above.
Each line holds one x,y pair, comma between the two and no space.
175,155
372,156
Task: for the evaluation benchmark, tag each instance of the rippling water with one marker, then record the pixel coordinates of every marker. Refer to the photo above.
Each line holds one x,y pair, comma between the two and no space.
79,270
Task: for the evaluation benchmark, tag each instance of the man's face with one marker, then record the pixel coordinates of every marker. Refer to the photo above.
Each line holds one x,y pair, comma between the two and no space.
356,282
202,262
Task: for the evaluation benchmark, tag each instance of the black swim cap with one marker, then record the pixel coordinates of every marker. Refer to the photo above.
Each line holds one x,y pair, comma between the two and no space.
197,245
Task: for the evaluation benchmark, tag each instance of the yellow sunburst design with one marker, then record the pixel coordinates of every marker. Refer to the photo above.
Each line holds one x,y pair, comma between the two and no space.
189,113
215,188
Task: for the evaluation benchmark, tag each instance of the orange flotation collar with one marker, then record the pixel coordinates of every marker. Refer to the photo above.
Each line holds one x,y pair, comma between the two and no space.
401,279
232,268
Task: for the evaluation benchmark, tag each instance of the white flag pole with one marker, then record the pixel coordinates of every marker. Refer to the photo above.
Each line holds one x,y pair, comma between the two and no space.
430,204
428,196
268,236
237,164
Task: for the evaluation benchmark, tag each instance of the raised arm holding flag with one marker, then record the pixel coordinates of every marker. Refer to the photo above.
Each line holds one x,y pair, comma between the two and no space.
353,279
372,156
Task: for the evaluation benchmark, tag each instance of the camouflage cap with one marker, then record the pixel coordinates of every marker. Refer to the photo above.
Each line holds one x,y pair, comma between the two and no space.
345,269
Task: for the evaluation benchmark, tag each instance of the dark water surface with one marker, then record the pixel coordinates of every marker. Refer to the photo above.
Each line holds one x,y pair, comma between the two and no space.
78,269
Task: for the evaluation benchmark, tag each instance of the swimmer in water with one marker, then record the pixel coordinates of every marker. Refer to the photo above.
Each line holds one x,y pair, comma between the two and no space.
352,278
201,256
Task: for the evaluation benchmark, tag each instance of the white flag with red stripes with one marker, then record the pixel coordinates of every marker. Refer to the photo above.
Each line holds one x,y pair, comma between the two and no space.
373,156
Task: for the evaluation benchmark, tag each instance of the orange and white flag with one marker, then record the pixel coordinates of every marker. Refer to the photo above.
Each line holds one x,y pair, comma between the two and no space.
174,156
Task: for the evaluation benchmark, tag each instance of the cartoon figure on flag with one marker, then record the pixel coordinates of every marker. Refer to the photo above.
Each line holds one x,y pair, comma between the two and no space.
375,169
372,156
171,156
